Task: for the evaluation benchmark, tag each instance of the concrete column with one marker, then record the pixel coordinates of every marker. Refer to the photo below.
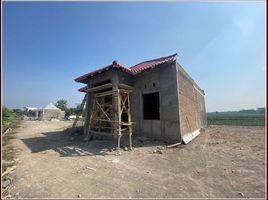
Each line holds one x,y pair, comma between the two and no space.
115,83
88,112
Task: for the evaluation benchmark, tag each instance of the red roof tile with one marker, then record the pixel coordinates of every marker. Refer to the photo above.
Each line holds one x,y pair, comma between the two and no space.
132,70
152,63
115,65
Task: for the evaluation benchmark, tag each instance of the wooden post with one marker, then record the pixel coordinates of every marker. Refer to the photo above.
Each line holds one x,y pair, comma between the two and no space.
129,123
108,107
99,122
90,122
119,133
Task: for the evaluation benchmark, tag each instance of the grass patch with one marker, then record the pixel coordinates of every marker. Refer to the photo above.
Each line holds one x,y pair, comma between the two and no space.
237,119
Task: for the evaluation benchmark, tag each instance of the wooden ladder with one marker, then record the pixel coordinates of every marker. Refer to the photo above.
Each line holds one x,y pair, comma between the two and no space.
80,112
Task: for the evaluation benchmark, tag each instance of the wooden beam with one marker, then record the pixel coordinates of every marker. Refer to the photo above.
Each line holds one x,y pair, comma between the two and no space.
129,122
124,86
101,87
108,93
174,145
104,120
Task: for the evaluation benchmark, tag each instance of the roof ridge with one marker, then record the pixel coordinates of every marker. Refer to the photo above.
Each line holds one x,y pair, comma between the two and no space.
115,62
156,59
131,70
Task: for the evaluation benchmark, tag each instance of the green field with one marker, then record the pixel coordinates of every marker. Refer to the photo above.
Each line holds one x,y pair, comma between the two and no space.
236,119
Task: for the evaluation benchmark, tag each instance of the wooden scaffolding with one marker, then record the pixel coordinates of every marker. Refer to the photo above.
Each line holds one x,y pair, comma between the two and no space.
111,114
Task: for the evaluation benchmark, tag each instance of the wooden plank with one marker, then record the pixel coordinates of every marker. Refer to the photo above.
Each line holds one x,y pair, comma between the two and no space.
105,120
129,122
125,86
101,94
119,119
123,91
174,145
112,121
101,87
114,93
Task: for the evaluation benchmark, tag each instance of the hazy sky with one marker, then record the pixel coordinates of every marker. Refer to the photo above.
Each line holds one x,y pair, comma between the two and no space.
48,44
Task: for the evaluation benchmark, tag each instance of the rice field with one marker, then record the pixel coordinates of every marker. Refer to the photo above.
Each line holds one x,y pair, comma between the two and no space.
236,119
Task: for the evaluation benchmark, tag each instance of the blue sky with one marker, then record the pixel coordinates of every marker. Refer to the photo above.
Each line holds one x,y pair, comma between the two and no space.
48,44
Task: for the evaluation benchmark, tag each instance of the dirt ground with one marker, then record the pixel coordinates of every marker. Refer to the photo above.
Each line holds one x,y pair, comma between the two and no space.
223,161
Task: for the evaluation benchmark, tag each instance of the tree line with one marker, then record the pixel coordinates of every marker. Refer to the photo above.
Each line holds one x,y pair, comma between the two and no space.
63,105
260,110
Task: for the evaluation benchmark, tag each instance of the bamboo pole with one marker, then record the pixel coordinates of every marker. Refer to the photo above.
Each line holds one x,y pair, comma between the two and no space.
119,119
8,171
129,126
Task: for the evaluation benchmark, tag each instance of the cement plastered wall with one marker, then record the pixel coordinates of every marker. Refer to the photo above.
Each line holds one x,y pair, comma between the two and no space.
165,80
125,78
191,104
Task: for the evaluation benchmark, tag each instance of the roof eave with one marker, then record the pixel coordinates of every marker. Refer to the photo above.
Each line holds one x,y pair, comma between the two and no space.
115,65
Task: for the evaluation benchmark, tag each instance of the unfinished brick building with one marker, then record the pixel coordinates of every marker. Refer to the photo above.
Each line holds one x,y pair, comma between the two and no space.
155,98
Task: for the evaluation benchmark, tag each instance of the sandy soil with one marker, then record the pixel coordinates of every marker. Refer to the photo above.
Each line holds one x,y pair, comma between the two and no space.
224,161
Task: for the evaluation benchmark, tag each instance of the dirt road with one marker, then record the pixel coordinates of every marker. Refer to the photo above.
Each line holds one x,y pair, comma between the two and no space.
224,161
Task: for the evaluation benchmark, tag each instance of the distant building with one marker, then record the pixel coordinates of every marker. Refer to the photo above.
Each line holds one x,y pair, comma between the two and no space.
47,113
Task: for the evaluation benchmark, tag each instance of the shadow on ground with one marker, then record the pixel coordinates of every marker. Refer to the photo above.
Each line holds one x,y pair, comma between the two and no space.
74,145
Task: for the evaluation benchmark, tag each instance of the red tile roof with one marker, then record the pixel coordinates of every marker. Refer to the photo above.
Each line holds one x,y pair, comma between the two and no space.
152,63
132,70
83,89
114,65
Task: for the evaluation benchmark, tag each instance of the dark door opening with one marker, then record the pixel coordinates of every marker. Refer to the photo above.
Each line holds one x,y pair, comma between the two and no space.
151,106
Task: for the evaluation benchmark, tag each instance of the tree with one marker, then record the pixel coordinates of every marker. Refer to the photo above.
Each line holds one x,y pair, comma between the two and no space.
73,111
10,118
61,104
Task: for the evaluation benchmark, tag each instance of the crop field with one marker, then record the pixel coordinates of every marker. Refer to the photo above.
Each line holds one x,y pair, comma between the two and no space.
236,119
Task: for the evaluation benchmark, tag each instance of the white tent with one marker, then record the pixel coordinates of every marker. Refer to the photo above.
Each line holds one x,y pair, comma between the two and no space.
30,108
51,106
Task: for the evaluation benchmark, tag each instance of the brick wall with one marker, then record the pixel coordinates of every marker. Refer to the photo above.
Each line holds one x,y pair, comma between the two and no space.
191,103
